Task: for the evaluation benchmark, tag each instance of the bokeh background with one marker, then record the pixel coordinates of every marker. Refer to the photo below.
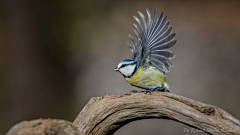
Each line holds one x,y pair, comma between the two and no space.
56,55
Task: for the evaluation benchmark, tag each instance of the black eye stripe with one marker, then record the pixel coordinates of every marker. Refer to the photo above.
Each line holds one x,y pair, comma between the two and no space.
123,66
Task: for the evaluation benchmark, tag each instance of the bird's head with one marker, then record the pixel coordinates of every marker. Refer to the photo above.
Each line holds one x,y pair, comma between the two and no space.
127,67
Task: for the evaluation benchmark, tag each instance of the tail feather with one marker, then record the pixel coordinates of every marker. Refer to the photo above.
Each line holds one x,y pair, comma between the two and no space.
168,91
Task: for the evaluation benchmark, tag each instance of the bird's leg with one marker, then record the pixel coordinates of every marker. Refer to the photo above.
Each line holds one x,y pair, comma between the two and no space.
145,91
155,89
152,90
135,91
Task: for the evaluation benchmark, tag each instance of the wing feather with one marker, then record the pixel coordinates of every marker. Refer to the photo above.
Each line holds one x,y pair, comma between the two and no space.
131,38
149,20
161,38
161,29
135,25
157,24
164,46
144,23
131,47
159,64
166,54
139,23
154,21
153,37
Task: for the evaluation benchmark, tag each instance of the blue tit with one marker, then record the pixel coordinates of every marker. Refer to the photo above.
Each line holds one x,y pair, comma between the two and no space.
151,54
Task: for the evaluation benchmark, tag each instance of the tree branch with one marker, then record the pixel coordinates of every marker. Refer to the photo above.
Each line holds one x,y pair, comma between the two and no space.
44,127
105,115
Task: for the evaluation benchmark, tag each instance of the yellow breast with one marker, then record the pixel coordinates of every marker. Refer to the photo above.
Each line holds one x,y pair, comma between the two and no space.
148,78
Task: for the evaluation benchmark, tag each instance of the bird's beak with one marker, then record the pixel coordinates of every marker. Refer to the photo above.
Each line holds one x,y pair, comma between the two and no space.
116,69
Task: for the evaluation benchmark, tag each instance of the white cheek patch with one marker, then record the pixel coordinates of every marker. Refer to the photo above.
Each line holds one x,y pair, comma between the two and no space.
128,70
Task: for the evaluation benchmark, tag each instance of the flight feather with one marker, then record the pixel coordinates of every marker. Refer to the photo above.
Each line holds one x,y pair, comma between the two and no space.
153,37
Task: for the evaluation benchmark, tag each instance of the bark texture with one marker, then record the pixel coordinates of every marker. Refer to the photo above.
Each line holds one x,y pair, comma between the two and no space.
44,127
105,115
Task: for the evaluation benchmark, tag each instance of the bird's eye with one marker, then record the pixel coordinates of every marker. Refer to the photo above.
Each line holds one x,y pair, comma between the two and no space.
123,66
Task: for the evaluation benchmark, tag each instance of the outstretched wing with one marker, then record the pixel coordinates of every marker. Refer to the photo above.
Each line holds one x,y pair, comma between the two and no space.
153,39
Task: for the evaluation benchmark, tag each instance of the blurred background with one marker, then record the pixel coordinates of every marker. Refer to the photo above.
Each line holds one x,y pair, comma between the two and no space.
56,55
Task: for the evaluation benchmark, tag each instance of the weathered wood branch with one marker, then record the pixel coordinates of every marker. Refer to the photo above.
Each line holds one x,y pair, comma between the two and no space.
44,127
105,115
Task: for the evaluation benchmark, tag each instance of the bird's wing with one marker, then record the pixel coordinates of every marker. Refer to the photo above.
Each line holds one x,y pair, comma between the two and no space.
153,39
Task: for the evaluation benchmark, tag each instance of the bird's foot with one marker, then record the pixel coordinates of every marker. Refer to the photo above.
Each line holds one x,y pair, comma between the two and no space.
152,90
134,91
145,91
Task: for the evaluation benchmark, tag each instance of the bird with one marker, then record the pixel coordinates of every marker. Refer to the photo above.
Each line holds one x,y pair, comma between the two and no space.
151,53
